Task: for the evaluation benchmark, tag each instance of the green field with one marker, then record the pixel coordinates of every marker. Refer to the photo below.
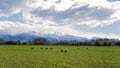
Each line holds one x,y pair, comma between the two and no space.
75,57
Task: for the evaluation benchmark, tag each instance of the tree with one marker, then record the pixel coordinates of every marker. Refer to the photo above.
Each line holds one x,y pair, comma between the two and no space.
40,41
97,43
11,42
2,41
117,43
18,42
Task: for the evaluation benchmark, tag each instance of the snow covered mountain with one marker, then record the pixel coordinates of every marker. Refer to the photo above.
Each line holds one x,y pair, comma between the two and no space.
49,37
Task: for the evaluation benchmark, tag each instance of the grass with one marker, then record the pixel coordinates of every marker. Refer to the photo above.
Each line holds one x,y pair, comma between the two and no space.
75,57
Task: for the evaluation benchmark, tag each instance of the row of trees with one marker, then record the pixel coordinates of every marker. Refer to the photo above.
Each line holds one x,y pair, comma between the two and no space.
38,41
43,41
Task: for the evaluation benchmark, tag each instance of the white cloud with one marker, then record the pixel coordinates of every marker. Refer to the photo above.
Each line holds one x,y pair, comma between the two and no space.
89,12
16,27
56,15
8,7
64,5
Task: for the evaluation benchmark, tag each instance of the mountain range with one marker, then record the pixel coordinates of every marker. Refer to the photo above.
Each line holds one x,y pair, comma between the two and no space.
54,37
31,35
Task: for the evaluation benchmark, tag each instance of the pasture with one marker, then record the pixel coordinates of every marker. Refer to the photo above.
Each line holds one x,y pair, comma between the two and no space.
24,56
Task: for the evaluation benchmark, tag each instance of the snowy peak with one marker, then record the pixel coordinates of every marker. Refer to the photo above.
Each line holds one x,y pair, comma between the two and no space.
49,37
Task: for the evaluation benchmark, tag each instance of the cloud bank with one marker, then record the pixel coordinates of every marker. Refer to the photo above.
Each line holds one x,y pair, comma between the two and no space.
89,12
49,16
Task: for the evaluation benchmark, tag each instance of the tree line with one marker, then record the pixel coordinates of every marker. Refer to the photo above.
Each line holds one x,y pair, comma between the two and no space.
43,41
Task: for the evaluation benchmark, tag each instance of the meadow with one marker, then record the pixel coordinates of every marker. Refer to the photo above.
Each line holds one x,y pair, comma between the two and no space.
34,56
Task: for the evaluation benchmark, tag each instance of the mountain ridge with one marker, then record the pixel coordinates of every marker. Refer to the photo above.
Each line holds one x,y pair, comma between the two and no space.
31,35
55,37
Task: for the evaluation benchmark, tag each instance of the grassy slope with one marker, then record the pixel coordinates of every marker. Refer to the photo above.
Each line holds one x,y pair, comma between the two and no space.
76,57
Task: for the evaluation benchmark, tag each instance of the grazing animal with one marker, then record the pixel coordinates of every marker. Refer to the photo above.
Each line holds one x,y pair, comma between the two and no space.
87,48
41,48
32,48
65,50
61,50
46,48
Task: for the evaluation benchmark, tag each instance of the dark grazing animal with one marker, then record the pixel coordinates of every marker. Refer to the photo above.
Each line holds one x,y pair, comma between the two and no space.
41,48
65,50
61,50
32,48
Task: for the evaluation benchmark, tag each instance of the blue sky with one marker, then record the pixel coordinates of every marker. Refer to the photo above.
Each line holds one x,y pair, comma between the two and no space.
88,18
14,18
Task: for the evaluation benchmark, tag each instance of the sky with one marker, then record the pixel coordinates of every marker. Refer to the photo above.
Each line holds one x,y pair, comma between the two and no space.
85,18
